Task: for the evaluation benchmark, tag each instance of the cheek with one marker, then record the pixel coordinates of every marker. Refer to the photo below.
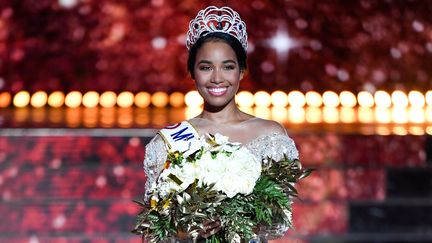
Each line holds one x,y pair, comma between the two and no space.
199,80
234,78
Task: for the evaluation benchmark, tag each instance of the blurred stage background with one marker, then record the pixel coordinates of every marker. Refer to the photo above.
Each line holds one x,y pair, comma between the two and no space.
85,84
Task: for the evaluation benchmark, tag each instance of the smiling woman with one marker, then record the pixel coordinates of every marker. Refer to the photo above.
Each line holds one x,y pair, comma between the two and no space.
217,74
217,43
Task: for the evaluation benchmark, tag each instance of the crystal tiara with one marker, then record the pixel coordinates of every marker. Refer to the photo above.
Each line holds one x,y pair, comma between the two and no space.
214,19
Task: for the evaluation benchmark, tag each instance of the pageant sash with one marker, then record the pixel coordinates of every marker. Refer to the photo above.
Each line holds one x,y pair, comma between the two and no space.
182,131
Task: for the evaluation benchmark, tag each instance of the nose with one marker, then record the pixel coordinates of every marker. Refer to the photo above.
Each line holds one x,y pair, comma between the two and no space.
217,76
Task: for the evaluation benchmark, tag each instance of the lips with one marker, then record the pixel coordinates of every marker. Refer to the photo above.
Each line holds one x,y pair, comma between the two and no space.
217,91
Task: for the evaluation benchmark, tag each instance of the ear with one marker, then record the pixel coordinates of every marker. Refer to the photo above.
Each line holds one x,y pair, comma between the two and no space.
242,73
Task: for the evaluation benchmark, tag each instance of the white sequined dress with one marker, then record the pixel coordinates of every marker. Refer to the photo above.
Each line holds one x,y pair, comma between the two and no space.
274,146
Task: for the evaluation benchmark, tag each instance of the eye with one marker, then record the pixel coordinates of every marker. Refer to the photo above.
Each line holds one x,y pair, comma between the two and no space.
204,68
229,67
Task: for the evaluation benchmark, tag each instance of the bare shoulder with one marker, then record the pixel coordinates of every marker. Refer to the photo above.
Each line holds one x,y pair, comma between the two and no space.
268,126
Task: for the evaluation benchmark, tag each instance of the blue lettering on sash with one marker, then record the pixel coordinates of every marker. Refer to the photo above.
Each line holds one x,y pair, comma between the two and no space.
180,136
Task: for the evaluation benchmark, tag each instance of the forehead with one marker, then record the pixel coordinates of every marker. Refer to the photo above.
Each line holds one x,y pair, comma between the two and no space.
216,50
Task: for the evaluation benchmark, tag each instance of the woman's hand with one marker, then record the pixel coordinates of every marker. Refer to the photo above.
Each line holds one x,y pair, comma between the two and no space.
210,228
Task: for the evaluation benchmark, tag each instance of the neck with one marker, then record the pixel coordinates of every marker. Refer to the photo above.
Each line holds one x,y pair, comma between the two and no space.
221,114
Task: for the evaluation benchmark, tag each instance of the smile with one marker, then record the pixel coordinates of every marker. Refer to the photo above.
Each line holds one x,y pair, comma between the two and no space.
217,91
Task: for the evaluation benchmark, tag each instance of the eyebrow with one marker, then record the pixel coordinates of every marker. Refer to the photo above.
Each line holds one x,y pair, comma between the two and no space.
209,62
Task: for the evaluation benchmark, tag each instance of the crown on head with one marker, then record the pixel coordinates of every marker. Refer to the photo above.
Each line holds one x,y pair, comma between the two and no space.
214,19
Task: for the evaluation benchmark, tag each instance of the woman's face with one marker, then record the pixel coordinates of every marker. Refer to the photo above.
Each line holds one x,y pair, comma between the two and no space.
217,73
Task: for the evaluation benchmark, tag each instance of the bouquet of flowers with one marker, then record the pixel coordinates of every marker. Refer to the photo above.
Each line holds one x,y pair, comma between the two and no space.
210,179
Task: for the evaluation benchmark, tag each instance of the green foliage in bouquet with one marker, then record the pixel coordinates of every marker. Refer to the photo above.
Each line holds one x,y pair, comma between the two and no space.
240,216
150,221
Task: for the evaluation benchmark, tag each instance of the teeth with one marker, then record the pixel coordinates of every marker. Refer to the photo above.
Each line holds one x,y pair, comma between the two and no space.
217,90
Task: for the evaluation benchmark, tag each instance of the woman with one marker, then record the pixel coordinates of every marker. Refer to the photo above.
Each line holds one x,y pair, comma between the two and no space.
217,43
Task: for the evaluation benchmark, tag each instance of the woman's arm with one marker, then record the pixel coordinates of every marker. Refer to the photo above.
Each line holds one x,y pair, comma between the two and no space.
155,157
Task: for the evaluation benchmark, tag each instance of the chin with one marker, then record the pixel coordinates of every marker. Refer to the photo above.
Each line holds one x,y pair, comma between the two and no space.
217,101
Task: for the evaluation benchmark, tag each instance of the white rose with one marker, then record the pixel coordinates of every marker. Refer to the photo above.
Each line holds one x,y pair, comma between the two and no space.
211,170
244,171
232,174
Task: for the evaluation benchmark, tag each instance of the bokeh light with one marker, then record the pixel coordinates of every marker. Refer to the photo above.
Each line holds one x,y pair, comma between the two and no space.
382,115
56,116
347,115
382,130
429,130
67,3
313,114
90,99
125,115
160,99
192,111
313,99
262,99
399,99
91,115
39,99
428,97
347,99
38,115
56,99
176,99
416,114
416,130
399,115
330,99
142,116
73,116
21,99
382,99
416,98
296,114
365,115
245,99
193,99
125,99
108,99
279,114
73,99
428,112
296,99
159,117
142,99
5,99
279,99
108,115
400,130
330,114
262,112
365,99
248,110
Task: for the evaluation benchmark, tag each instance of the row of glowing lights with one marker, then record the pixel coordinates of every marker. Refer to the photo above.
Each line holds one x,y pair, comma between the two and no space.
411,120
401,121
192,99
